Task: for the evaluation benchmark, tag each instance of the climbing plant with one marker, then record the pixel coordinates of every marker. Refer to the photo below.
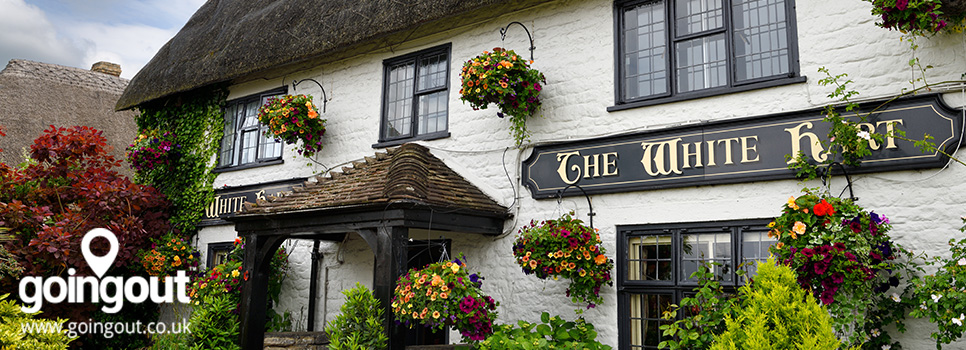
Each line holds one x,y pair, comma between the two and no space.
197,122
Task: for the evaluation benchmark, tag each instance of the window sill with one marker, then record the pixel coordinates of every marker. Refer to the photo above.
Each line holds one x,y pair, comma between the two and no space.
248,166
424,137
703,94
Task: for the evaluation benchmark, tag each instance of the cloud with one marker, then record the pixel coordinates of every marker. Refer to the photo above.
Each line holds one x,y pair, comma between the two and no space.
129,45
26,32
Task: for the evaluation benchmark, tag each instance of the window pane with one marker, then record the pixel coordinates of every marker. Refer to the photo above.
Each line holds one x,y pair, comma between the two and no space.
432,112
649,258
645,319
228,140
251,114
399,106
695,16
432,72
701,63
699,248
754,248
268,148
645,32
761,38
249,141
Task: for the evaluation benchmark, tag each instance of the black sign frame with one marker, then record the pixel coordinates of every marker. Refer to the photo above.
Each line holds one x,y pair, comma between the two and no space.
734,151
229,200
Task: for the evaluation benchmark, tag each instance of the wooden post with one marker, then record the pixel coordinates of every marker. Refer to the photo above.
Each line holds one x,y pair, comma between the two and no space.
259,251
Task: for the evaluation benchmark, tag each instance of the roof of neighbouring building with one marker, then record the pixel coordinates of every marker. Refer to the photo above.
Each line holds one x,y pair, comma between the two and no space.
226,40
407,174
35,95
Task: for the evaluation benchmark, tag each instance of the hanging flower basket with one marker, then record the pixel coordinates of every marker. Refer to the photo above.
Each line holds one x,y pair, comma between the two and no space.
444,295
920,17
565,248
153,149
294,118
505,79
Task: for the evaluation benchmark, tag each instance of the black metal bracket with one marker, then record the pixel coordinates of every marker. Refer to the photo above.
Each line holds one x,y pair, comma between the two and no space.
591,214
324,98
848,179
504,30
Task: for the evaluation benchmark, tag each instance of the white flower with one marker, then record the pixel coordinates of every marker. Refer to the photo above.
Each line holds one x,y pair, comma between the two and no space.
875,333
961,262
923,306
864,135
935,298
959,321
886,347
896,298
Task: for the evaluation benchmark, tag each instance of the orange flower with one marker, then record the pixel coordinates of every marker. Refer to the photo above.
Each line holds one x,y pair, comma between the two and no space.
444,295
503,84
600,259
533,264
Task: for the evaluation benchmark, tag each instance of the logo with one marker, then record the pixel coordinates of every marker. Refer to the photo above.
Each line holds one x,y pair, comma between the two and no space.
111,290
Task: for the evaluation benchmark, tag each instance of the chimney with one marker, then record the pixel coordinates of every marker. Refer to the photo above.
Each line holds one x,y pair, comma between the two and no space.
107,68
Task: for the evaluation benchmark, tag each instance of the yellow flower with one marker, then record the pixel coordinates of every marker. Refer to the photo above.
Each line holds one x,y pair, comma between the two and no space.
455,268
235,273
435,314
791,203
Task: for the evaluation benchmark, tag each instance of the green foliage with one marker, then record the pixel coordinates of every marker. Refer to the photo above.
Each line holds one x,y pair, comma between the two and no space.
12,335
775,313
197,122
165,341
359,326
705,313
553,332
942,296
215,326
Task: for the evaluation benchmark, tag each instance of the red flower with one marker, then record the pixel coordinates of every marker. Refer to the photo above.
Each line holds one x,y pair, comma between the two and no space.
823,208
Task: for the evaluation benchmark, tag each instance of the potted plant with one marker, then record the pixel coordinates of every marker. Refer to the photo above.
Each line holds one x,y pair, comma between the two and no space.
503,78
566,248
294,118
443,295
152,149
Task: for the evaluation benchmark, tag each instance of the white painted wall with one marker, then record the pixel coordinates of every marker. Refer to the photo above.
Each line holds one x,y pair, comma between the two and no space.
574,42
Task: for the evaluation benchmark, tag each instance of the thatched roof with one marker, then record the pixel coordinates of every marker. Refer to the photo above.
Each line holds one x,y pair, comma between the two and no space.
34,95
408,174
229,39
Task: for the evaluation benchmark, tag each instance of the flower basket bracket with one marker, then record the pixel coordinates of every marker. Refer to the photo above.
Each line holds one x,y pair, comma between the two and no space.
324,98
530,37
591,213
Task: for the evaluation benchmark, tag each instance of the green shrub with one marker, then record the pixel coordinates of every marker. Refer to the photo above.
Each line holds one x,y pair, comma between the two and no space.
215,326
12,336
709,307
774,312
554,332
165,341
359,326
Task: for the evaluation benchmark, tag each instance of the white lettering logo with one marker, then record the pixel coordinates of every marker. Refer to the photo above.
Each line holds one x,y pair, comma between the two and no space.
135,289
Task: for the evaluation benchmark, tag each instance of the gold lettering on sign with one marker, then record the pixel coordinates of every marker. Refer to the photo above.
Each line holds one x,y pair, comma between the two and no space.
222,206
654,157
609,164
591,165
562,169
727,143
890,130
745,149
696,154
817,152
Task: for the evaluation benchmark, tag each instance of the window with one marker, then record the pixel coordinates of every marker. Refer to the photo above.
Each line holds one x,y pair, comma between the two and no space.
656,262
218,253
415,97
681,49
247,142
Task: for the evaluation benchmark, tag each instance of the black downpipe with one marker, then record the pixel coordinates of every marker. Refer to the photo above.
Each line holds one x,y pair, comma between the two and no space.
314,284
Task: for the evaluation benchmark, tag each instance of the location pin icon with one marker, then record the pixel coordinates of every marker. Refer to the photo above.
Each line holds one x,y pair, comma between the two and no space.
99,264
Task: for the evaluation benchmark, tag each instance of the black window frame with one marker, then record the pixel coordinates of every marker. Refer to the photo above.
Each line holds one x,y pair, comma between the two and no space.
732,86
415,57
239,129
677,287
215,249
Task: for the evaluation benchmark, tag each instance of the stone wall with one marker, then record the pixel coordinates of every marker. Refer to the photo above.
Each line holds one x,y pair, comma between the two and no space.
296,341
574,41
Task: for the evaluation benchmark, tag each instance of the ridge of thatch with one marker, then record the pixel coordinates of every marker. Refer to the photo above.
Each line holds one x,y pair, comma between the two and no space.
54,73
226,39
407,174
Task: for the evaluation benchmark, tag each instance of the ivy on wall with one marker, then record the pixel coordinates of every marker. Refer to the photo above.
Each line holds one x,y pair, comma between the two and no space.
197,122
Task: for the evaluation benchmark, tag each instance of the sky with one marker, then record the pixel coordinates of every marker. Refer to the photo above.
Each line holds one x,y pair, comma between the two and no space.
78,33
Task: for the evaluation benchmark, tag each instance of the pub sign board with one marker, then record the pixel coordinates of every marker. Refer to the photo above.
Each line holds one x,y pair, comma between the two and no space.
230,200
733,151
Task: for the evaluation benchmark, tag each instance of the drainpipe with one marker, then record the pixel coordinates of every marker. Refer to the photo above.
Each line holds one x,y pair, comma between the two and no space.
314,284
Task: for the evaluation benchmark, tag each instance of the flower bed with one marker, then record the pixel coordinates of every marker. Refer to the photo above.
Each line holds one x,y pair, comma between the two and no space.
565,248
443,295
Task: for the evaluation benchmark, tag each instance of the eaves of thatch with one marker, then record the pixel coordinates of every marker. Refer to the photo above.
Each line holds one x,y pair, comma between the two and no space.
230,39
